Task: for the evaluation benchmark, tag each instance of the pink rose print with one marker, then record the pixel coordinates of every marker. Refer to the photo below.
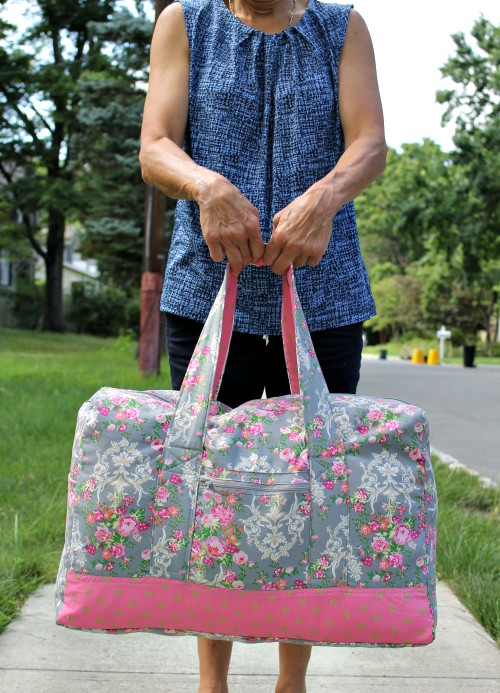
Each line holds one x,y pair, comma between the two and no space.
103,534
396,560
215,547
286,454
230,576
103,410
299,584
118,550
146,555
339,468
416,455
375,414
367,560
391,425
132,413
401,534
119,399
127,525
162,494
363,429
237,585
240,557
379,544
193,366
256,428
223,513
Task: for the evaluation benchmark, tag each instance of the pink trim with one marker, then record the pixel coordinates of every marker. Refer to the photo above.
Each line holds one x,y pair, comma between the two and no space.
288,329
226,330
399,616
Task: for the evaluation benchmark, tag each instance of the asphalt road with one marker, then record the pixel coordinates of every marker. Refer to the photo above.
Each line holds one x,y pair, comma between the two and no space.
463,406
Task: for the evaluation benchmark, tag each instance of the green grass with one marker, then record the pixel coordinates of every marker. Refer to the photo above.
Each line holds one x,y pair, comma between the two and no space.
44,378
468,541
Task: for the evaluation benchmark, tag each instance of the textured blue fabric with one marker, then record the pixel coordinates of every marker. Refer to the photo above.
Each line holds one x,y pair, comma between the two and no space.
263,112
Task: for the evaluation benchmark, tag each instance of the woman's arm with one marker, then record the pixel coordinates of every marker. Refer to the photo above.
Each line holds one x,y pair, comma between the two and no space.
229,222
301,231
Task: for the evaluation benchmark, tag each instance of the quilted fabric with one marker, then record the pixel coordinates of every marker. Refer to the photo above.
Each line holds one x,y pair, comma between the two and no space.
329,499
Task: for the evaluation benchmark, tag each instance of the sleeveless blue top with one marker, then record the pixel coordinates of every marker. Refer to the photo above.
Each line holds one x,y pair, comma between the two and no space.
264,113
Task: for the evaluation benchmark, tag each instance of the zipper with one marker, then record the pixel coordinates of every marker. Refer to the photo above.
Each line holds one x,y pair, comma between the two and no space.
208,483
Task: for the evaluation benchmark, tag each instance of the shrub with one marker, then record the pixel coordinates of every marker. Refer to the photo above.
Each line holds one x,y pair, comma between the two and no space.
103,310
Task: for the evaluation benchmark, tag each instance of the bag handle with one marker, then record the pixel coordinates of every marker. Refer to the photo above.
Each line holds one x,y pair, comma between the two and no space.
189,418
287,329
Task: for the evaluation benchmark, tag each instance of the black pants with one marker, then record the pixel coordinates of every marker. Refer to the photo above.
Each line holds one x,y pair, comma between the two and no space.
252,365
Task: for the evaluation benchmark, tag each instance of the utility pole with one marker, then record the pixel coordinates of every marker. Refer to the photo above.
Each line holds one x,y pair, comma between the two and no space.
152,269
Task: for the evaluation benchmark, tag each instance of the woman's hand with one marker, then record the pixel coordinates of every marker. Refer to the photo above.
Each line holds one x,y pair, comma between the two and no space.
230,223
301,231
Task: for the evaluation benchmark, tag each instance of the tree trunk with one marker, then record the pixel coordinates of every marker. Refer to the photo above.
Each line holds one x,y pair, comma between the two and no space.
53,320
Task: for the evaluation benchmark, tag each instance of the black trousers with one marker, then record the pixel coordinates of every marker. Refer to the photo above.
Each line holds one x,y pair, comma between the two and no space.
254,366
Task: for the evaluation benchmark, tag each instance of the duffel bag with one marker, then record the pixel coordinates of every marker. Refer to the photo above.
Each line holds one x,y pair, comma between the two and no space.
308,518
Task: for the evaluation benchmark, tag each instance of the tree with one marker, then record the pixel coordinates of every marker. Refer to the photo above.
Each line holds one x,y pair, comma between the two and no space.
107,144
475,105
46,74
406,206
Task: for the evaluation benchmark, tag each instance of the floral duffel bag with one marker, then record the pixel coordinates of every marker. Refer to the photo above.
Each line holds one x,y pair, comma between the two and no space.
308,518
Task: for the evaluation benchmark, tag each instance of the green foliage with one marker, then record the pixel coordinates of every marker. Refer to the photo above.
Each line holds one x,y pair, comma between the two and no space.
103,310
433,219
27,304
70,103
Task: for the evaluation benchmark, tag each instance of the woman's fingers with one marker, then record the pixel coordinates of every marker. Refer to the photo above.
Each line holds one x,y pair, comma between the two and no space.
301,233
230,225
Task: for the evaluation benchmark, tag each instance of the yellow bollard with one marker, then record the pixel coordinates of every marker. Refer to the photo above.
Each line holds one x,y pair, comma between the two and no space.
417,356
433,357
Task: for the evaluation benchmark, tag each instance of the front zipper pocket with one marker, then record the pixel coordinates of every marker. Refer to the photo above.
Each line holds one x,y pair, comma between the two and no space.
251,535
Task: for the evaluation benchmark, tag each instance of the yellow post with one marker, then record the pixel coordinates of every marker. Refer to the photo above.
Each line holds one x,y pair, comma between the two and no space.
433,357
417,356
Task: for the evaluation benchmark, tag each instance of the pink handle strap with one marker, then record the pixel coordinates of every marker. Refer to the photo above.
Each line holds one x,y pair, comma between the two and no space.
287,328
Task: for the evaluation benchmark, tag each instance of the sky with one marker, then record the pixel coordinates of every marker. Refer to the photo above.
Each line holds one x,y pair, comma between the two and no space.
412,40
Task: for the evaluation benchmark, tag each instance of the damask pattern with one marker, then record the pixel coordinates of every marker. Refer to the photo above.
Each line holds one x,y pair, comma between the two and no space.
311,491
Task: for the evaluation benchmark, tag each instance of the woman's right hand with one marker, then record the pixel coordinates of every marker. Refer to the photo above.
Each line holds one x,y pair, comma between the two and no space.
229,222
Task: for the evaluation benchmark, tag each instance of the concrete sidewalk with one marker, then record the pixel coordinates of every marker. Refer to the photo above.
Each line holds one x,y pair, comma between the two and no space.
36,656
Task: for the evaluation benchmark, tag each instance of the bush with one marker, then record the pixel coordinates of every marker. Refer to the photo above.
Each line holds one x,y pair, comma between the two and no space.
103,310
27,305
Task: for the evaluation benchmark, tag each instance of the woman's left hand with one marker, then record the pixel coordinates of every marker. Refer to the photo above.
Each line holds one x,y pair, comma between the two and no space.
301,231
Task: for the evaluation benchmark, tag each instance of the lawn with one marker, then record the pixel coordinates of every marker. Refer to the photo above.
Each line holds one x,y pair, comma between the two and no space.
44,378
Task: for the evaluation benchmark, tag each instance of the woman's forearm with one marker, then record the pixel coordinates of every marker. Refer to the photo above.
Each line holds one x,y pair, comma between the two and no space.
168,168
362,162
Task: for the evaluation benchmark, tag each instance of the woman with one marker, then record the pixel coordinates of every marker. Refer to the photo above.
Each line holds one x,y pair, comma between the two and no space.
263,118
